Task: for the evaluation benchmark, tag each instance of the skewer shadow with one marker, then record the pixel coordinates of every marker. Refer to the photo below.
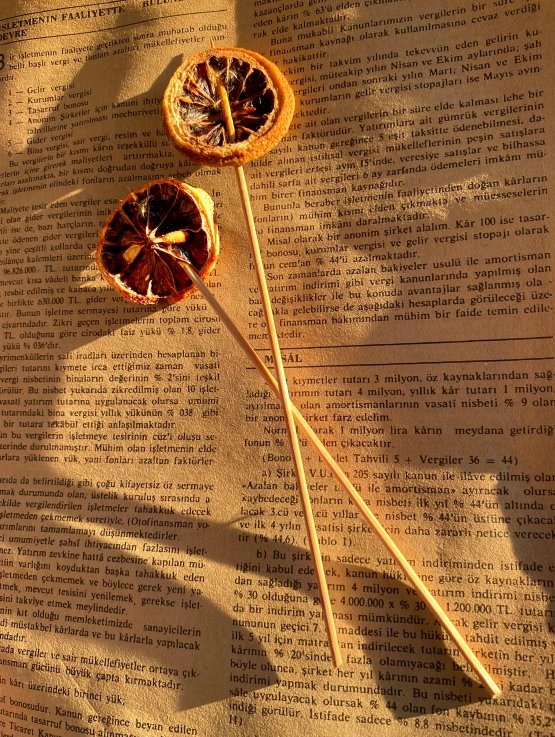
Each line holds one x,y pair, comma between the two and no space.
397,638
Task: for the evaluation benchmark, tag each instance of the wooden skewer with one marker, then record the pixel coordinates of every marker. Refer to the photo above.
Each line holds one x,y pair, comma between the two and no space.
283,389
481,673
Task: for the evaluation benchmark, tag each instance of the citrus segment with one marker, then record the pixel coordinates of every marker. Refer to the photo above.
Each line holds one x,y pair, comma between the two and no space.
260,99
144,242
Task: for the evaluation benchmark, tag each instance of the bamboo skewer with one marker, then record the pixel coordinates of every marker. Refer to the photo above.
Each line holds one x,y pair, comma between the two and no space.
481,673
283,390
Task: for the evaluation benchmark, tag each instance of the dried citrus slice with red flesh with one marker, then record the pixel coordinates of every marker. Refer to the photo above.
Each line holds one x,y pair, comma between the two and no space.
144,242
260,100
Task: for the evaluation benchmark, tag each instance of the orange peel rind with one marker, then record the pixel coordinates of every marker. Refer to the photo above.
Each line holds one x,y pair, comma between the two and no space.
260,99
144,242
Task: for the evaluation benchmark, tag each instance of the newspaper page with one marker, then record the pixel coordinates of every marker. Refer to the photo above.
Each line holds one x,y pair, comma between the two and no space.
154,569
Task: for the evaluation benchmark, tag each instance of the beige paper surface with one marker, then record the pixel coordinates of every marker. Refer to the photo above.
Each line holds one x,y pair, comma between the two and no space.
153,557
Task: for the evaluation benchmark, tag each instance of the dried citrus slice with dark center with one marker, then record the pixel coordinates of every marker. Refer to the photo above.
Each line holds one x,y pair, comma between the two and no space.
145,241
260,99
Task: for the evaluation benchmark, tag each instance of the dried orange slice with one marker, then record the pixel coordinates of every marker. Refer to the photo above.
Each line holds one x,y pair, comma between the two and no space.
144,242
260,99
